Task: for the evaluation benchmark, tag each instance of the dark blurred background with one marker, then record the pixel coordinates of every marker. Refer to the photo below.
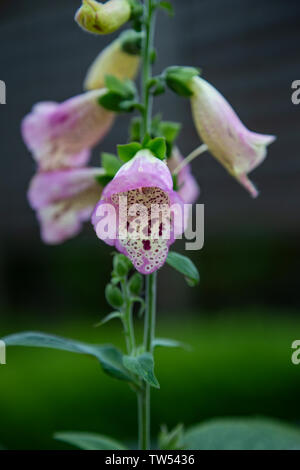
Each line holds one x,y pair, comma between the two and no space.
244,316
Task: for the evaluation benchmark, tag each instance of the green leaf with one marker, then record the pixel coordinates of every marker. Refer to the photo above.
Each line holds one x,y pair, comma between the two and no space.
178,79
170,130
109,317
127,105
88,441
131,41
175,182
167,6
110,358
143,366
110,163
242,434
158,147
112,102
128,151
103,180
146,140
136,9
125,89
155,125
169,343
171,440
135,129
185,266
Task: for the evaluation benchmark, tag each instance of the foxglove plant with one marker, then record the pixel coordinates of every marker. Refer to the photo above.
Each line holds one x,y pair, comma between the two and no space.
119,197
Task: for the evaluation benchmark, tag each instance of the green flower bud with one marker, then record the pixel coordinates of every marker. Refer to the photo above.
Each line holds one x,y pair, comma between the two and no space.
103,18
121,265
114,296
135,284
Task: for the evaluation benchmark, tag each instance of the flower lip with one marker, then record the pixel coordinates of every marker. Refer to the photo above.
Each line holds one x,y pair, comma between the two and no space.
152,217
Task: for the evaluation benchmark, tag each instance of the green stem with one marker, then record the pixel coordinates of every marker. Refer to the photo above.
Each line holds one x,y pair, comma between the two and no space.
149,330
127,320
198,151
149,334
149,26
144,393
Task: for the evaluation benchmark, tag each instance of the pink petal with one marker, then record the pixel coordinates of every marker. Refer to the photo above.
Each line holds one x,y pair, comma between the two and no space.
63,201
188,187
61,135
237,149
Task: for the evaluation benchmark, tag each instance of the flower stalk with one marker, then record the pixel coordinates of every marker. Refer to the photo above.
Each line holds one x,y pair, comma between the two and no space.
147,48
127,319
194,154
144,420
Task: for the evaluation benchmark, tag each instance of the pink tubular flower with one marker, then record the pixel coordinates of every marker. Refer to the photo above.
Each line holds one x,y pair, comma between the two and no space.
142,212
188,188
61,135
63,200
239,150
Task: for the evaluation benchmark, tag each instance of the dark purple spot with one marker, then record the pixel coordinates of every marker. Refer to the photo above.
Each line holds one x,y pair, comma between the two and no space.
146,245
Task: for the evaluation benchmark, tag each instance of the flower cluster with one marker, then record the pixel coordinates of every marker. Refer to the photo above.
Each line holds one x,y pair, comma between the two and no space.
65,192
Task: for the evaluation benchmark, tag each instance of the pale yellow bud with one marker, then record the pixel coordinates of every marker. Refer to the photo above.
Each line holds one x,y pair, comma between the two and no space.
103,18
111,61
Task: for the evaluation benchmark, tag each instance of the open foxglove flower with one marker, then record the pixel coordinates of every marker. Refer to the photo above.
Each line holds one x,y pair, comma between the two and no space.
61,135
139,212
188,188
239,150
64,199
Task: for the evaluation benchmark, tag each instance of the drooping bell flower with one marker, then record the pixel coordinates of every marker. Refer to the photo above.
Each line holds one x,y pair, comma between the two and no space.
139,212
113,60
103,18
239,150
63,200
61,135
187,186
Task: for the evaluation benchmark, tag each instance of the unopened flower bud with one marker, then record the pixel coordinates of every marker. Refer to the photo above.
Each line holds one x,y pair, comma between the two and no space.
121,265
135,284
113,60
103,18
113,296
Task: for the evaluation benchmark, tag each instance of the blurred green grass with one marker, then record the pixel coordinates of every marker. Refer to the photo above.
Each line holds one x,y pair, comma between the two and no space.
240,364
